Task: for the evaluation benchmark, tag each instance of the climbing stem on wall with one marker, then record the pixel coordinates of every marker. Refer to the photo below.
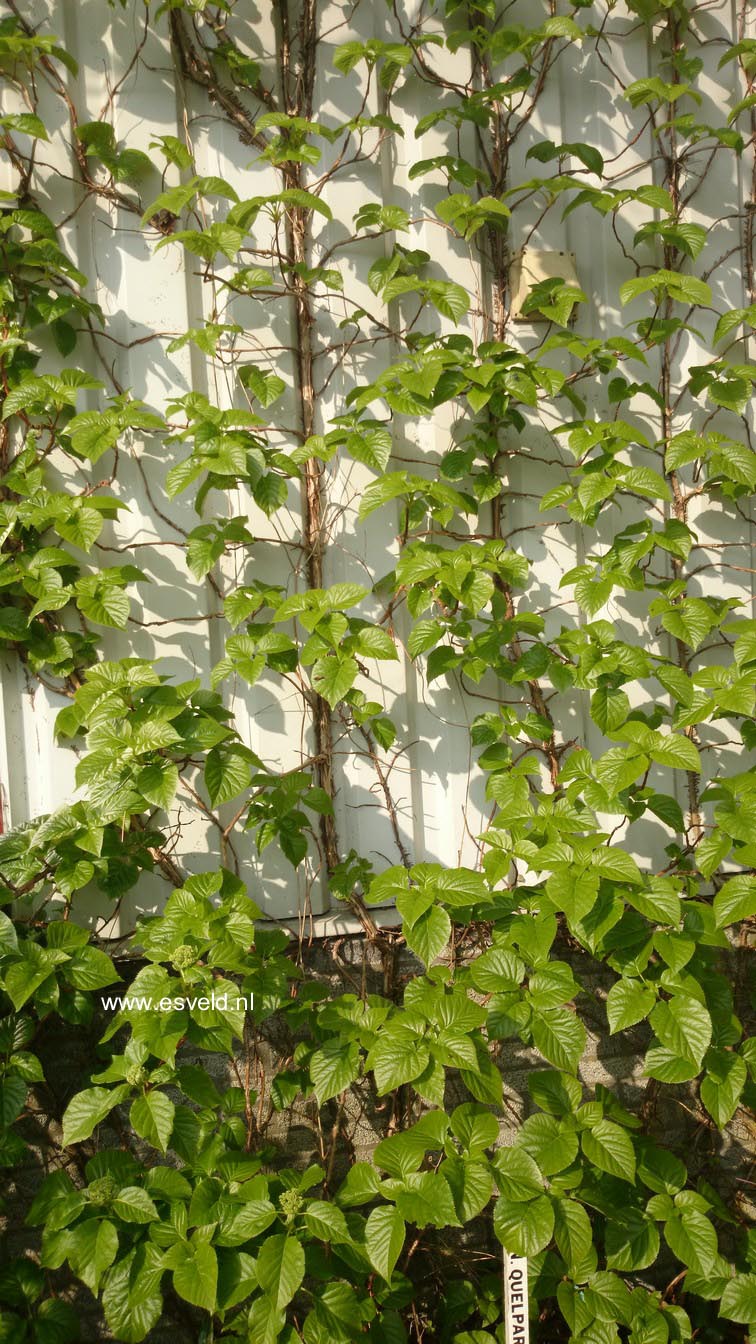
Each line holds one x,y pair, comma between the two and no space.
297,67
672,261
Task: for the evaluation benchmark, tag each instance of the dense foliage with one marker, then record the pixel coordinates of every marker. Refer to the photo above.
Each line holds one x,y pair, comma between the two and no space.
164,1193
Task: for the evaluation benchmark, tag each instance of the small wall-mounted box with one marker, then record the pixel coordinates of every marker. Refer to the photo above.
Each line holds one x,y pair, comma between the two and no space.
529,267
8,179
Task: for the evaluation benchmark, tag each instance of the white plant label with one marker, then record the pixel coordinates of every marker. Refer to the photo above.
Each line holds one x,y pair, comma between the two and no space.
516,1298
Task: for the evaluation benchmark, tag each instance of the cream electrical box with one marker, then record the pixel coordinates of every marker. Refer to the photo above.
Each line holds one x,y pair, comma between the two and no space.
529,267
8,177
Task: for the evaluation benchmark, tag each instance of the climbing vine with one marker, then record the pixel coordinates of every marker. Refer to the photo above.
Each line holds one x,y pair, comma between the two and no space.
618,705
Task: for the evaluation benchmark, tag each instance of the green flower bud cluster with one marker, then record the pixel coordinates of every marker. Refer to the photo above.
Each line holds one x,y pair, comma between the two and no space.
183,957
103,1190
290,1203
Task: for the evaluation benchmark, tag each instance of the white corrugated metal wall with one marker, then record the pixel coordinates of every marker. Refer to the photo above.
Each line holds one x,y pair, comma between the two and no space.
150,297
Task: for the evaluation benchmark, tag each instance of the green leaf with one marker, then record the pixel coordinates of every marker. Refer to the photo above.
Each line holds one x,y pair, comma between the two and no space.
265,1322
361,1185
632,1241
518,1175
89,968
95,1247
610,1148
575,894
152,1117
424,636
557,1093
397,1059
471,1184
134,1205
429,935
227,774
572,1231
684,288
739,1299
173,149
616,770
242,1222
609,709
668,810
475,1127
684,448
181,475
325,1221
93,433
588,154
158,783
280,1268
105,605
305,200
722,1087
26,123
497,969
14,624
22,978
87,1109
384,1238
683,1025
671,749
691,1237
668,1067
333,676
195,1277
450,299
645,481
735,900
342,595
561,26
711,850
372,446
427,1201
265,386
617,864
560,494
659,1169
524,1229
388,487
55,1321
131,1297
337,1316
560,1036
81,528
376,643
628,1002
12,1098
270,492
551,1142
690,621
8,936
167,1183
334,1067
730,321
